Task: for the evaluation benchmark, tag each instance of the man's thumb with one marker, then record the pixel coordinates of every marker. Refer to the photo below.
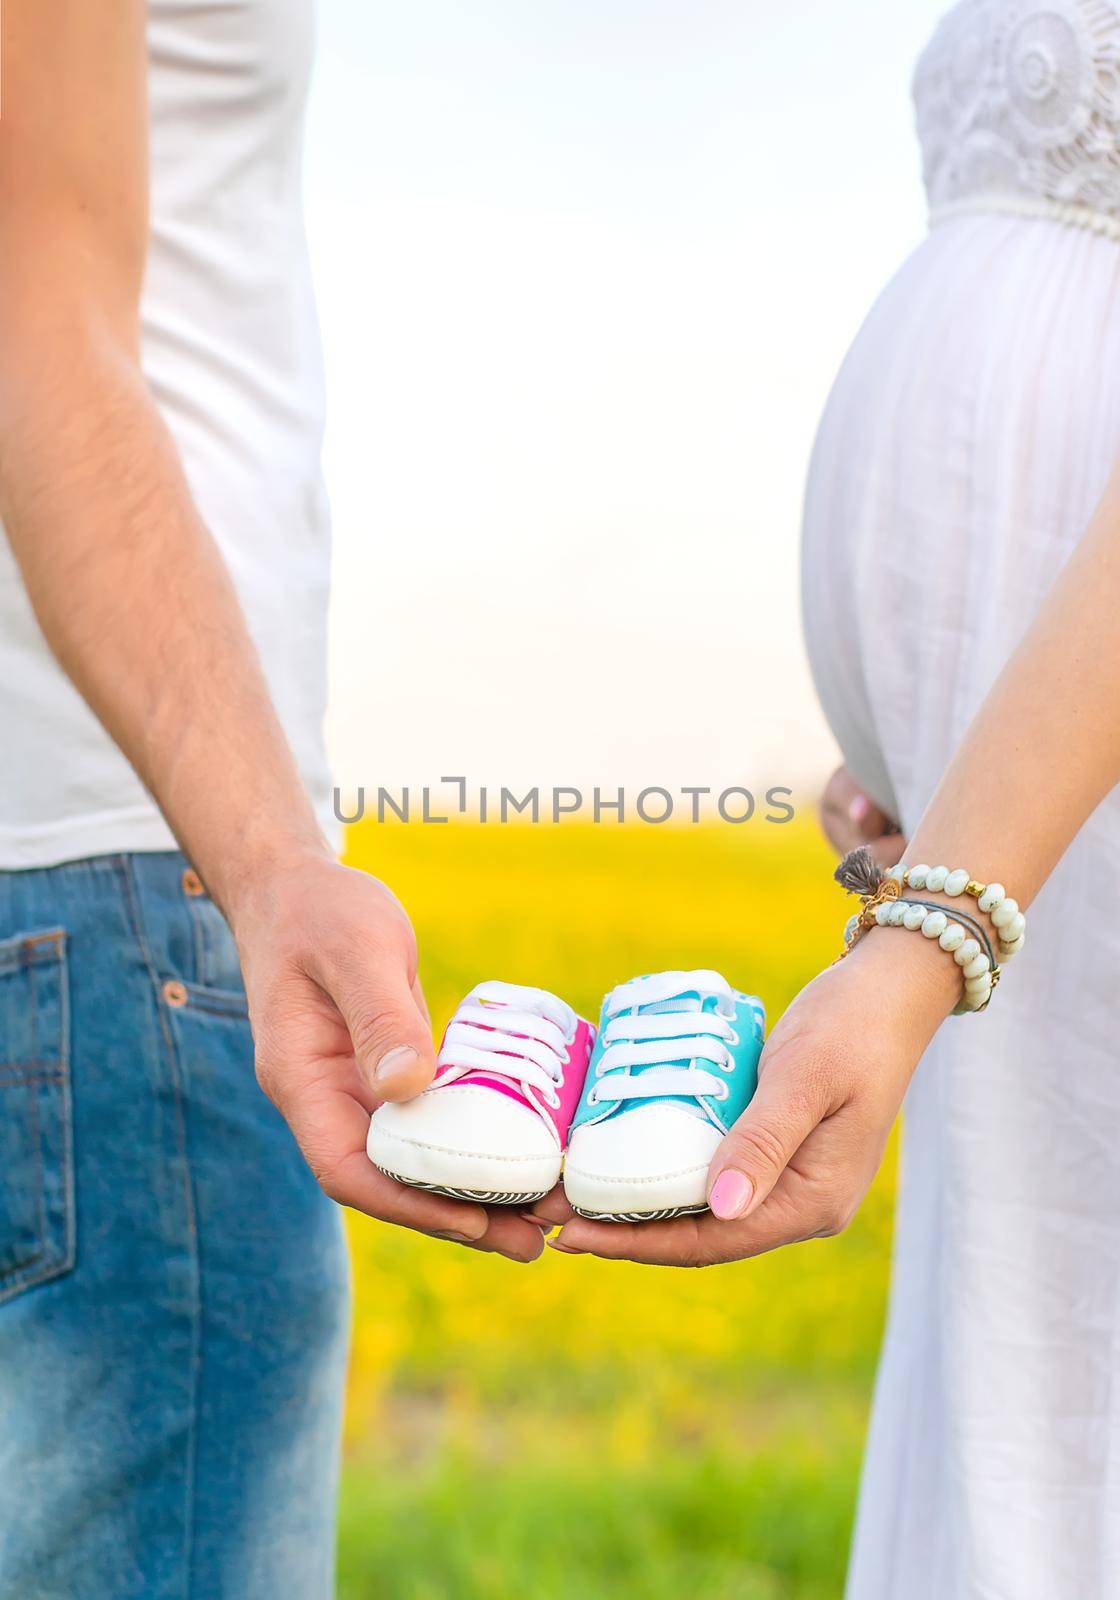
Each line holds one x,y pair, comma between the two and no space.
392,1040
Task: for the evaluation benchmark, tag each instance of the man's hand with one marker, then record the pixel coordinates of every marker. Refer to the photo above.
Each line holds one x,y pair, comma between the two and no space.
799,1161
340,1024
850,818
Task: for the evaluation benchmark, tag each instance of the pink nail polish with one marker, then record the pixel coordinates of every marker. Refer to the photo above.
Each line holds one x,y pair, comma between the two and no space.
731,1194
859,809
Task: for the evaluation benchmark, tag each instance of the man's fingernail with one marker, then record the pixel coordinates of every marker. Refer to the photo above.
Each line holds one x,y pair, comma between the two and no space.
731,1194
395,1064
525,1258
542,1222
859,809
456,1238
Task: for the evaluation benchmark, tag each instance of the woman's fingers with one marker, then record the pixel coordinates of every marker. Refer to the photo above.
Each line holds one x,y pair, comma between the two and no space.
553,1209
662,1244
814,1197
797,1090
797,1162
850,818
749,1215
700,1241
783,1113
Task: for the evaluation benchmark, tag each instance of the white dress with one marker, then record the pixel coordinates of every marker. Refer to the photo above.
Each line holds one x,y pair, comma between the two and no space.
965,444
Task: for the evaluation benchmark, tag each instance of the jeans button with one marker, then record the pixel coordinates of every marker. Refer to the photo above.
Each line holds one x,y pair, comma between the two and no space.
192,883
174,993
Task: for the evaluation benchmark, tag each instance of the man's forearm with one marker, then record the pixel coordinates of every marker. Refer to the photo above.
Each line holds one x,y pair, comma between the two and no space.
136,602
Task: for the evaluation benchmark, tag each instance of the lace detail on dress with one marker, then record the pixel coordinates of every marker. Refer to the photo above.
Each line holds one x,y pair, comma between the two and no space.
1018,109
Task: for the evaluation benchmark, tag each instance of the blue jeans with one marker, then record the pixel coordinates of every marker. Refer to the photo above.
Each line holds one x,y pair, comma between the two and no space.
173,1283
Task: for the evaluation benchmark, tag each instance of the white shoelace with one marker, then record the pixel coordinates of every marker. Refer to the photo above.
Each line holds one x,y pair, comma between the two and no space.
509,1031
656,1023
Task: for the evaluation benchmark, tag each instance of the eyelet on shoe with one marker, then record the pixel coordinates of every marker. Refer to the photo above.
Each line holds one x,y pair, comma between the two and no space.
593,1098
734,1038
721,1092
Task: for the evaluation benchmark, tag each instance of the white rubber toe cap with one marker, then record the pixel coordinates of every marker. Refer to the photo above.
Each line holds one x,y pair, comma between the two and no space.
647,1162
468,1139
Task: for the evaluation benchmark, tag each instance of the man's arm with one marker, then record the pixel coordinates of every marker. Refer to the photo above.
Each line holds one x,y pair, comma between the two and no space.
135,600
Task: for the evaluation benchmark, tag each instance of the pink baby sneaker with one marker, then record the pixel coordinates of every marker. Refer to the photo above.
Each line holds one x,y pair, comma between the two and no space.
493,1124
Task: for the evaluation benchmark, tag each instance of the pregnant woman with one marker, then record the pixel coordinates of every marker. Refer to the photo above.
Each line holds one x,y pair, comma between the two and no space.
962,601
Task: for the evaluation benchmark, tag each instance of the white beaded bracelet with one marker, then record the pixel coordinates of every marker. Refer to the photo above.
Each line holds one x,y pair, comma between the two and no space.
992,898
979,970
885,906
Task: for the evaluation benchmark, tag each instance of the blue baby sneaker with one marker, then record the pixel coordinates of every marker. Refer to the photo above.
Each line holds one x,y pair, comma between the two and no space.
675,1063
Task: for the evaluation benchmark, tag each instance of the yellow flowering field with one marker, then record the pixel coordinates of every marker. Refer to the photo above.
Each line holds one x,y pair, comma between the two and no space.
579,1427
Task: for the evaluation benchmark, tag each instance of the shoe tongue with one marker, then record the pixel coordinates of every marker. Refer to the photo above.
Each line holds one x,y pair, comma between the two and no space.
683,1002
706,1003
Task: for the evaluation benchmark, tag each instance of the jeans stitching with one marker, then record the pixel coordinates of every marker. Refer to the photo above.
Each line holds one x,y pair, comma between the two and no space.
22,953
70,1198
126,871
47,1262
198,941
30,1273
40,1174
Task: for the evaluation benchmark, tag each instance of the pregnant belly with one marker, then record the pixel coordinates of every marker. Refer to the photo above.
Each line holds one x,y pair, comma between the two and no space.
963,448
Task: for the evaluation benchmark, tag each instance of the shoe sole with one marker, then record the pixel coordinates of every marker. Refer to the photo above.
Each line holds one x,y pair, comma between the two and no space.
487,1197
666,1214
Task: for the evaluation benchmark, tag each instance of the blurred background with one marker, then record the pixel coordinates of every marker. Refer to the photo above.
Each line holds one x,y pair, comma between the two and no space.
586,271
596,1429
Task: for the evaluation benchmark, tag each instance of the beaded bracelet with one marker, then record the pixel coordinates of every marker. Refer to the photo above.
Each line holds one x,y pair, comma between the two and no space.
883,906
980,969
1009,922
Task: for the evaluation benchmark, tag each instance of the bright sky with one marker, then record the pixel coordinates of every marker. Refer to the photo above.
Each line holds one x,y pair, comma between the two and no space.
586,270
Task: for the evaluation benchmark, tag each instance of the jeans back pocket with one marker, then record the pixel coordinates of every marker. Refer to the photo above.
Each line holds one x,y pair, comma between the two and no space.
36,1156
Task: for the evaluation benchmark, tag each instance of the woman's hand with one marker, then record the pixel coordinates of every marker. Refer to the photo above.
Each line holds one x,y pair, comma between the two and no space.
799,1161
850,818
340,1025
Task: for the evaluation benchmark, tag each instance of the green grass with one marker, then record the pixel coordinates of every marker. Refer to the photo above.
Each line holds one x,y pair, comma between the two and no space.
579,1427
769,1525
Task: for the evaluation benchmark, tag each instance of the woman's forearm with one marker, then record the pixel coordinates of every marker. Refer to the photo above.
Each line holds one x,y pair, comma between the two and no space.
1044,749
1040,755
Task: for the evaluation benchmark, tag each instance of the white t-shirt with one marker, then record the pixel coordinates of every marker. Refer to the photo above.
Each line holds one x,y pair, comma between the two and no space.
231,351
